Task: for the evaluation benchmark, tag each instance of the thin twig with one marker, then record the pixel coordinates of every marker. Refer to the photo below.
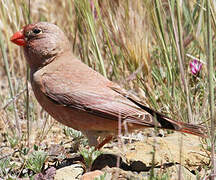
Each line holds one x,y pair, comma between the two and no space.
27,87
13,99
211,87
119,137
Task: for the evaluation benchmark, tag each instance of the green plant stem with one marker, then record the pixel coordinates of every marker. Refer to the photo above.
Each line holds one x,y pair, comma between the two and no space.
94,40
27,105
3,50
106,36
211,86
180,58
163,41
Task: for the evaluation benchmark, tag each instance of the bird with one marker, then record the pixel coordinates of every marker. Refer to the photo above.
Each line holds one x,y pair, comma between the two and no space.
78,96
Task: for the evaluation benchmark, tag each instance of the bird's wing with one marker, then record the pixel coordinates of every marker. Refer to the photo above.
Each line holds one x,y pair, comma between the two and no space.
164,121
101,101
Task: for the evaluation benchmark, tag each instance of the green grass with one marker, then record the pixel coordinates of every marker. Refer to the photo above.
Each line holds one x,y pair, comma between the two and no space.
142,46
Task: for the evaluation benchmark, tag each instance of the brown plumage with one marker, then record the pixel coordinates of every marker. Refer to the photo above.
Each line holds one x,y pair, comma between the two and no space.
78,96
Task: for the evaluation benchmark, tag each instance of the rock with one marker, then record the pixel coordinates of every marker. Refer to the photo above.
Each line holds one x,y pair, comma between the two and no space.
136,160
173,173
92,175
175,148
74,171
49,174
169,150
117,173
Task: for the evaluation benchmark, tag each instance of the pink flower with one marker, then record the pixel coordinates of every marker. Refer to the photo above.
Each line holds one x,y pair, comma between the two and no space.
94,11
195,67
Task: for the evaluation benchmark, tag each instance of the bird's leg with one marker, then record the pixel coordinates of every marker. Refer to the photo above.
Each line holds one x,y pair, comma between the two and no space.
105,141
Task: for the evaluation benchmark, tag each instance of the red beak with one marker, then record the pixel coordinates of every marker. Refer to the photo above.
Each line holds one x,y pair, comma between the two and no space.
18,38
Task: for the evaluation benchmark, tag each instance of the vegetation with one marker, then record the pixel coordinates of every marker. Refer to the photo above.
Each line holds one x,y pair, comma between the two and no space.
147,47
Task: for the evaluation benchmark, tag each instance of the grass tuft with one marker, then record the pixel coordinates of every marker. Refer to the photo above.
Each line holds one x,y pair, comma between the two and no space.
145,46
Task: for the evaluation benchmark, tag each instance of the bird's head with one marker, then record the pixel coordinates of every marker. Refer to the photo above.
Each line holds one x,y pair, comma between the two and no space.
42,42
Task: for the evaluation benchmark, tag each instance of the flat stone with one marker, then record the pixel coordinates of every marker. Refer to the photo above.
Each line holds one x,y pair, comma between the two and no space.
74,171
175,148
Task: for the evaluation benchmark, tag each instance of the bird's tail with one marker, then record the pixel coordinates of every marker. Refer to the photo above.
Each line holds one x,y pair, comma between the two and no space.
167,123
193,129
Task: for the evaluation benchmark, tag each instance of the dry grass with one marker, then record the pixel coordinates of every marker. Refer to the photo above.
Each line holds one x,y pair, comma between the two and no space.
128,42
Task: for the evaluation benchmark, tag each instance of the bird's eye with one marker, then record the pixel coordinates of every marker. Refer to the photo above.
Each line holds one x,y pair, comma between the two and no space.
36,31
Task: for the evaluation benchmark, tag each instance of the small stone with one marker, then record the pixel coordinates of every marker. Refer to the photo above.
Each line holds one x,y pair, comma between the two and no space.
92,175
161,133
74,171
